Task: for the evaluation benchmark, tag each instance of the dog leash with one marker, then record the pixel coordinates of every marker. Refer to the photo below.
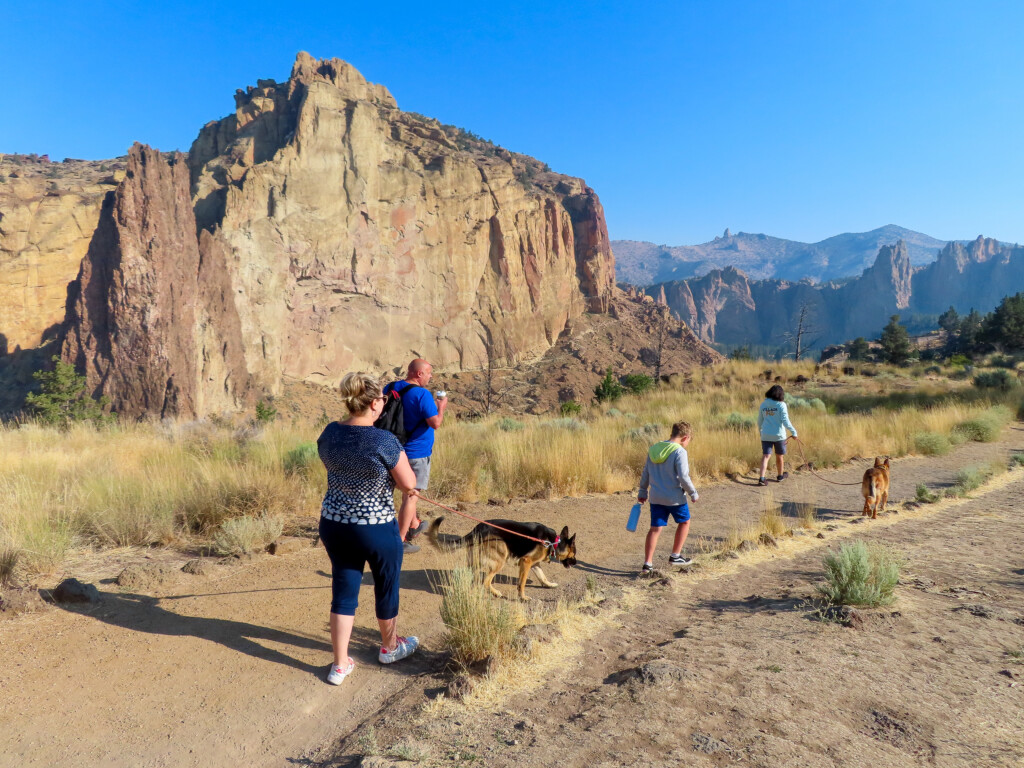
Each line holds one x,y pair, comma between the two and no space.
810,466
547,544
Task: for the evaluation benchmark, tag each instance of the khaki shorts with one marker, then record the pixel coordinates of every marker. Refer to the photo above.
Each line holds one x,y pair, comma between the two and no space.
422,469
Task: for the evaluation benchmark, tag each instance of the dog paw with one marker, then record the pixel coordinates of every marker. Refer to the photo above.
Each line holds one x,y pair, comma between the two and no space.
551,586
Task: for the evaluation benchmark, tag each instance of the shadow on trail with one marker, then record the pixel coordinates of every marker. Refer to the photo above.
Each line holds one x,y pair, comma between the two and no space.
586,567
755,604
142,613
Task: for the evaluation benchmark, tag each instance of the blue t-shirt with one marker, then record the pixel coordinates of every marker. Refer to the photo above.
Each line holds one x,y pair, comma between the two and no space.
359,482
418,405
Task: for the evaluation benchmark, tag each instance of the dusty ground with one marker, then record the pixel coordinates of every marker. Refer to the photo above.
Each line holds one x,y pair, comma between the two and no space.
227,667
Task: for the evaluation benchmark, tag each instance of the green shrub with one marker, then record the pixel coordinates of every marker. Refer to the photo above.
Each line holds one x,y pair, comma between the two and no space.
924,495
244,535
509,425
859,574
265,412
572,425
570,408
638,383
613,412
969,479
300,459
1002,361
62,398
961,360
739,422
933,369
608,389
1001,380
817,404
983,429
931,444
478,626
648,433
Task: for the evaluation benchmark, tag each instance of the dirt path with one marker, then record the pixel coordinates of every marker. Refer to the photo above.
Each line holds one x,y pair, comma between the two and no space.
227,666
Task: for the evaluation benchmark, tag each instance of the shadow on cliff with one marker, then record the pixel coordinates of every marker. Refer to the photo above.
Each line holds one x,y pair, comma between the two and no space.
17,367
142,613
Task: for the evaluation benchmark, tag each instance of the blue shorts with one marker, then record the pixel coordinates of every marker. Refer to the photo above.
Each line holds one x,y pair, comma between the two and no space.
778,445
660,512
351,547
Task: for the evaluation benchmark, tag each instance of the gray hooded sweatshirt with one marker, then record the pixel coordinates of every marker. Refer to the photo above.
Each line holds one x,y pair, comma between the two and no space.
667,474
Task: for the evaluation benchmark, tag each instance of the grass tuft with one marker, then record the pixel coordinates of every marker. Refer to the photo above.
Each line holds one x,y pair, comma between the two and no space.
860,574
245,535
931,444
478,625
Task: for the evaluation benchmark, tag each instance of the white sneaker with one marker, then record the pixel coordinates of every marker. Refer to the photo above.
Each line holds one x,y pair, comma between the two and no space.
406,647
338,674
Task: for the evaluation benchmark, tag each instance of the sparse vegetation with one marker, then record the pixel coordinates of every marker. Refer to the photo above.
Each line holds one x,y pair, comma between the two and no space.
265,412
570,408
931,444
860,574
509,425
924,495
478,626
62,397
608,389
244,535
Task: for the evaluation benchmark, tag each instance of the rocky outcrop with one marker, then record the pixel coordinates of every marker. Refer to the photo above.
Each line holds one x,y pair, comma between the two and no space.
48,212
726,306
320,229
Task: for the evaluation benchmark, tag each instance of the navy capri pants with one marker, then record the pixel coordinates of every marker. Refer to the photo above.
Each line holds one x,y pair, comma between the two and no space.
350,548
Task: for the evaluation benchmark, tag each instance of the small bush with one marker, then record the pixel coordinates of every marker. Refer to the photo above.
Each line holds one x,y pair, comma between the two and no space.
62,398
9,556
969,479
924,495
648,433
613,412
1001,380
243,535
570,408
510,425
983,429
608,389
961,360
931,444
300,459
265,412
859,574
638,383
817,404
572,425
739,422
478,626
933,369
1002,361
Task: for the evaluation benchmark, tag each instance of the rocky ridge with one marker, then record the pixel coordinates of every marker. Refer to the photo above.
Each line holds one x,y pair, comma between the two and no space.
726,306
320,229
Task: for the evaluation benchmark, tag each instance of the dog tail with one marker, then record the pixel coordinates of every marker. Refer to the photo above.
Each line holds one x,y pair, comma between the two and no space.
868,486
443,542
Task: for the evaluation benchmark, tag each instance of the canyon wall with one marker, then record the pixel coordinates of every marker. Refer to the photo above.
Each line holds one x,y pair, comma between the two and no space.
726,306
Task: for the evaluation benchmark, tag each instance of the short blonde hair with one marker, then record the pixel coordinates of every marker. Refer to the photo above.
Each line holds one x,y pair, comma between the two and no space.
681,429
359,390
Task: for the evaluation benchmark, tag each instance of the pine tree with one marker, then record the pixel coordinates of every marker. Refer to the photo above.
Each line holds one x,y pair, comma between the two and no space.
895,342
62,398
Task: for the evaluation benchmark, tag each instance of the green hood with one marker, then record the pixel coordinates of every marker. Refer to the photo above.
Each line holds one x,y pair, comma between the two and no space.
660,452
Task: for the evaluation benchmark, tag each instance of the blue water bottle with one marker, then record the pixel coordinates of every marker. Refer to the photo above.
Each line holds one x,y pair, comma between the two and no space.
634,518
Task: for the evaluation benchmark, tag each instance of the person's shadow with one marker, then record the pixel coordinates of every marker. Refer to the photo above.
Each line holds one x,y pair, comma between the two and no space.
142,613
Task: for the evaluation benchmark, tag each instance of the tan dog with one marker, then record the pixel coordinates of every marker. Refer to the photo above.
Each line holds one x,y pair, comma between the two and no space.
875,488
488,548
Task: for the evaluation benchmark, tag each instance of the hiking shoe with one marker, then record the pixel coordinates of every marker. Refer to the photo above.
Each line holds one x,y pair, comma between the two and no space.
409,548
338,674
416,530
679,560
406,646
762,481
781,477
648,568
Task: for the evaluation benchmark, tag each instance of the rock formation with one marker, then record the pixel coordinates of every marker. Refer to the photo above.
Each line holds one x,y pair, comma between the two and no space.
726,306
320,229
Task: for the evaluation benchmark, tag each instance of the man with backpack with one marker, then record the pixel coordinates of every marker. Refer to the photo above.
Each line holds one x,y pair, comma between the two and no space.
412,415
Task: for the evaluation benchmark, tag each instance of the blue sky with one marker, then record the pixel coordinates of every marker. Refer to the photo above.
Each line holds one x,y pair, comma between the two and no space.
798,119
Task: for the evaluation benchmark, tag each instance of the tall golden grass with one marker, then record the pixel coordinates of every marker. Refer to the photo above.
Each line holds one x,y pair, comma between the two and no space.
144,484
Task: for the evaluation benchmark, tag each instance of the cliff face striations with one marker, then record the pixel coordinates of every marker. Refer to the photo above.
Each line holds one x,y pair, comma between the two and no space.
319,229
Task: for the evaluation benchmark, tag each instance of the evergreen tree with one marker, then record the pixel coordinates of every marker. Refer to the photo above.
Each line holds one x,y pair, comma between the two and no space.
608,389
62,398
895,342
1005,325
949,321
858,349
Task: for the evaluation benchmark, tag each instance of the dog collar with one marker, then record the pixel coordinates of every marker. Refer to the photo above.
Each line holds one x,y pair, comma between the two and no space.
553,554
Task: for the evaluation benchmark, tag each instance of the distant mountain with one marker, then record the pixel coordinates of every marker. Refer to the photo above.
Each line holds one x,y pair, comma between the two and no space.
762,256
727,307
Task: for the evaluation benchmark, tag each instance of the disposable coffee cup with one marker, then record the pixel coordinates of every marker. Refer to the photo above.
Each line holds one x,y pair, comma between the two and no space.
441,393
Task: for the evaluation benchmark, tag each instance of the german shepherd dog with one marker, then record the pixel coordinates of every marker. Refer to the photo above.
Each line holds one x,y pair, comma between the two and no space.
488,549
875,488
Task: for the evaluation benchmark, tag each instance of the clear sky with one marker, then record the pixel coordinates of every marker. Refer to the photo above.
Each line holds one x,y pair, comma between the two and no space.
798,119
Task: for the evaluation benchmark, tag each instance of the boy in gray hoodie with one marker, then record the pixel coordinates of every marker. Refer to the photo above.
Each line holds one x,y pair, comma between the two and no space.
667,474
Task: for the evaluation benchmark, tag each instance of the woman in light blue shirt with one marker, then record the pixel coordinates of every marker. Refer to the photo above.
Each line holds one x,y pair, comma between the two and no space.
773,421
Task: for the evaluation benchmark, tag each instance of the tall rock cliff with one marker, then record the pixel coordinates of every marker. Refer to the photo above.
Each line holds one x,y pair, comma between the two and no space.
320,229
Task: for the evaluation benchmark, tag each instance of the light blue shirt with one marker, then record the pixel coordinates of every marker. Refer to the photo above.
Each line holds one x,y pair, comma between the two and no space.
773,420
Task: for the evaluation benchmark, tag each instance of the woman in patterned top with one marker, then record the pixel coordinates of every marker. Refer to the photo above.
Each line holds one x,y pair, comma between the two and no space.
357,520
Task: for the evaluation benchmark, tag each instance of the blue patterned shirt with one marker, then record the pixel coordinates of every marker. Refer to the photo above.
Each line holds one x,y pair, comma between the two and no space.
359,483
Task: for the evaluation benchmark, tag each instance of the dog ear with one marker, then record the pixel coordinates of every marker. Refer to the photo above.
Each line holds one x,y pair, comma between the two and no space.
565,532
878,461
572,539
886,463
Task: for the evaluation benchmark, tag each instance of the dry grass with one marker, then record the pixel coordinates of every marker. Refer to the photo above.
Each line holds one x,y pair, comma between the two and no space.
246,534
149,484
